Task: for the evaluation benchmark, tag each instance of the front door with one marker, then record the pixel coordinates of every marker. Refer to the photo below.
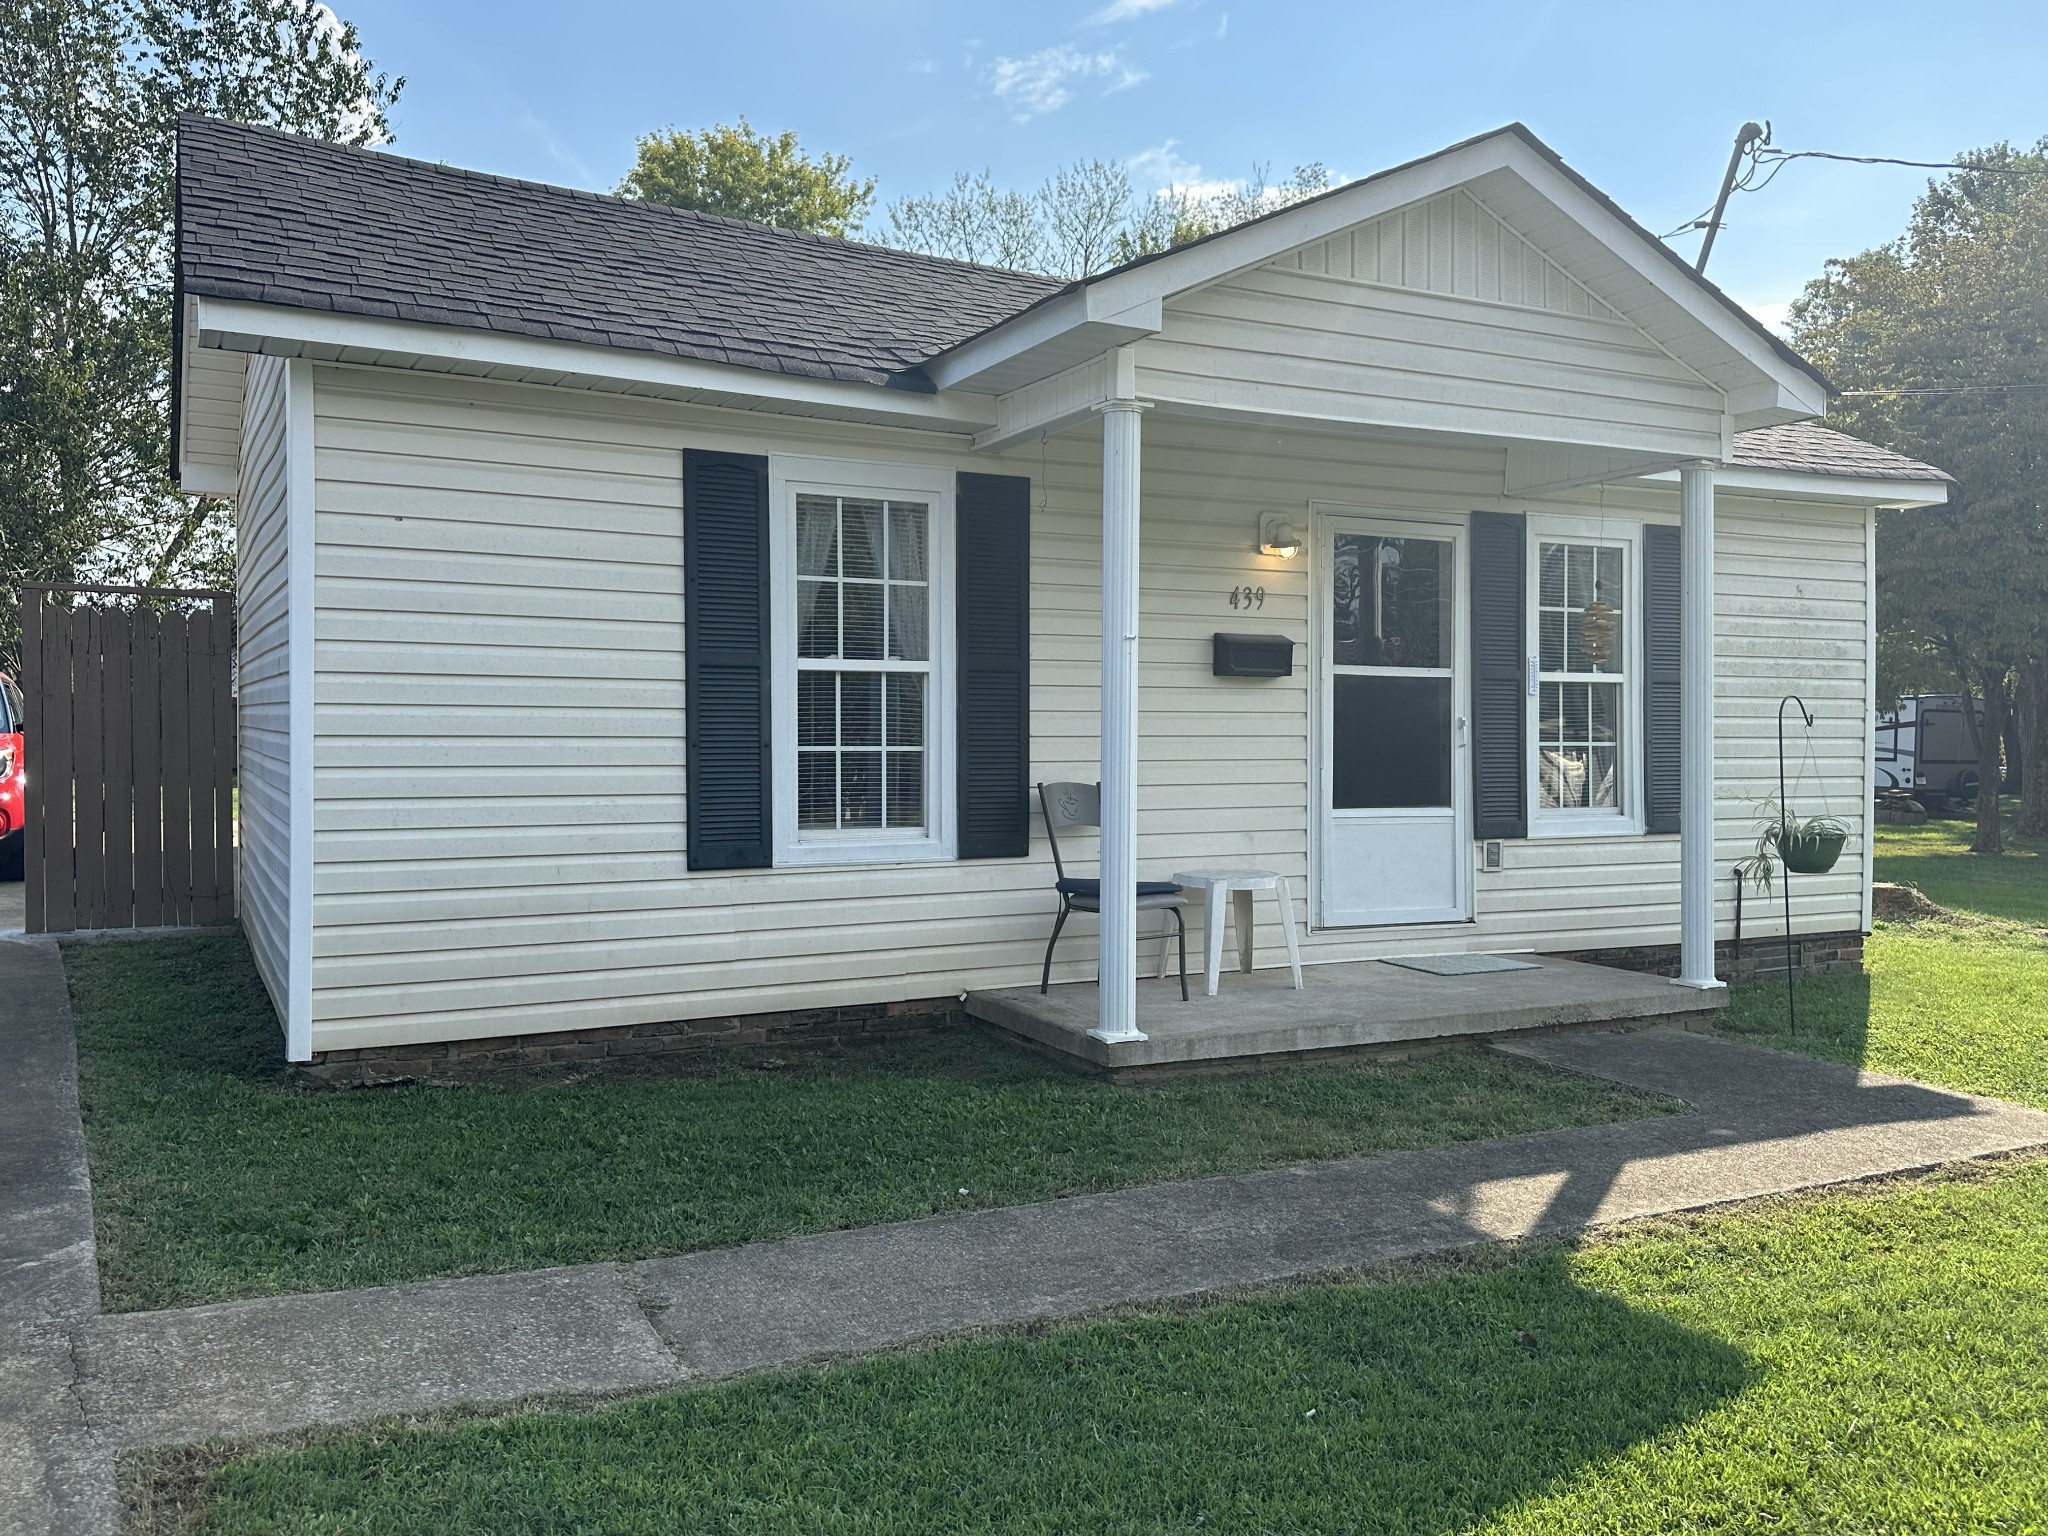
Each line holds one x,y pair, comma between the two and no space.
1391,671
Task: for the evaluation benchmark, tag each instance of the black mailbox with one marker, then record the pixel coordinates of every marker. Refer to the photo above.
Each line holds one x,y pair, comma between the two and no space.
1254,656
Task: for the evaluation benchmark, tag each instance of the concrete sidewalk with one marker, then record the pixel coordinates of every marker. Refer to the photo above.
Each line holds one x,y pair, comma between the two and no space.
87,1386
53,1476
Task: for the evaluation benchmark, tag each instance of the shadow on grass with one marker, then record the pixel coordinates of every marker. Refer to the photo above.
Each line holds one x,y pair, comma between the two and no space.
1417,1406
1833,1015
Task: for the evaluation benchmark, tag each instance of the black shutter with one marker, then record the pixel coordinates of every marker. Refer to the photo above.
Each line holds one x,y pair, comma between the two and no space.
1662,598
993,601
728,759
1500,806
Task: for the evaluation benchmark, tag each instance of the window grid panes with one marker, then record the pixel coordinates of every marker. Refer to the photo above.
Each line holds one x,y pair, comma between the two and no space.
1582,661
863,625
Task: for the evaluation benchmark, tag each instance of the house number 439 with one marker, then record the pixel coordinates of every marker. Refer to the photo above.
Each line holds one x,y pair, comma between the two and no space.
1247,597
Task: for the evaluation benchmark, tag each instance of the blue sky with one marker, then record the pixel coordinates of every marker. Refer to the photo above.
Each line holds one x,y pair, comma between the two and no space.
1643,99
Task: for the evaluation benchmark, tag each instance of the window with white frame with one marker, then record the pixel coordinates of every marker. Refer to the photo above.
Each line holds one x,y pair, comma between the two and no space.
861,558
1585,717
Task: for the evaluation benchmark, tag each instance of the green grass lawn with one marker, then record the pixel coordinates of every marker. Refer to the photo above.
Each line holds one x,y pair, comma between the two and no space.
1962,1002
1853,1363
216,1176
1936,859
1840,1365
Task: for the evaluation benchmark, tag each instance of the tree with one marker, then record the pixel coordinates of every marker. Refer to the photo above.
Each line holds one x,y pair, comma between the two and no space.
734,171
972,220
1943,336
90,92
1084,219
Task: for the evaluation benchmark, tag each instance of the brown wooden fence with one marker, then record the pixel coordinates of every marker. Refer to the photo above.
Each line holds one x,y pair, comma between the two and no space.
131,757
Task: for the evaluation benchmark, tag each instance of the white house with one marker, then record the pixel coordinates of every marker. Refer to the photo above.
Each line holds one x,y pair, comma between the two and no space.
651,617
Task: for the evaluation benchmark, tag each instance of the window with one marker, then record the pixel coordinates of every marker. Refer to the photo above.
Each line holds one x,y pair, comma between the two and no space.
1585,728
1391,671
860,593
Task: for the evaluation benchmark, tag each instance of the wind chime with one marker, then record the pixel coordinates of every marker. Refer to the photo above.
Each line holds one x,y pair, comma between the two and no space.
1596,626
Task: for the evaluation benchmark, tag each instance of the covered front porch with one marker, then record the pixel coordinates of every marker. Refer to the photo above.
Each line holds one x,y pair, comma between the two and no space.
1398,799
1484,308
1364,1005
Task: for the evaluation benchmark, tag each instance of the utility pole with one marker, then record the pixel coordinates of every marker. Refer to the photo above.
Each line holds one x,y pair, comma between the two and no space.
1749,135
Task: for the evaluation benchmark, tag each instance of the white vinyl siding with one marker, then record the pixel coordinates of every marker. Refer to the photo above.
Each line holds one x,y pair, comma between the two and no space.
1290,343
263,549
500,715
1451,243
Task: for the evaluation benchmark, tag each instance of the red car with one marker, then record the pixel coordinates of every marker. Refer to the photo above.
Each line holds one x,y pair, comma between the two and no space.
13,780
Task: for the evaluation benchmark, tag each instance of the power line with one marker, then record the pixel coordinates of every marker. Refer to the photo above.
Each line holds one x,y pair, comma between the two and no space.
1954,389
1760,155
1781,155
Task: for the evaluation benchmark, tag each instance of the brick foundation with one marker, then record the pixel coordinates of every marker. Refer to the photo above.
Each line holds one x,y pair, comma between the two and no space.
464,1060
1814,954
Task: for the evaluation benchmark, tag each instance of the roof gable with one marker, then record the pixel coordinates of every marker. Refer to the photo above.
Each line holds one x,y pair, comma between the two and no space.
1509,173
1450,244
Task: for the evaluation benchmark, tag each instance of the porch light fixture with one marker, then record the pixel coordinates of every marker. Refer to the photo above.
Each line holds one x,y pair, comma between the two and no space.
1277,536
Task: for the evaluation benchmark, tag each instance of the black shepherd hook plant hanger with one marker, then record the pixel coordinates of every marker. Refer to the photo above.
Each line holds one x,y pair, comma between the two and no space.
1784,839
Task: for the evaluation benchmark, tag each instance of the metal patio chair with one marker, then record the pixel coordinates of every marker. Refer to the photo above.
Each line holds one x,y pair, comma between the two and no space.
1066,807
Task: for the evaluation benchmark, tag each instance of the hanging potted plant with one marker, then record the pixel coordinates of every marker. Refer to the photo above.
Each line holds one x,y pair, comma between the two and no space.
1805,846
1810,847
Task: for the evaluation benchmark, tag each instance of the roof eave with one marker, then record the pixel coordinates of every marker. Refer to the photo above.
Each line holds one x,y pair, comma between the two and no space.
1821,485
242,325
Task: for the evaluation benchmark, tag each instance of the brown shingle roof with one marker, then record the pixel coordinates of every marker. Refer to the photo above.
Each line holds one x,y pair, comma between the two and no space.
1807,447
275,219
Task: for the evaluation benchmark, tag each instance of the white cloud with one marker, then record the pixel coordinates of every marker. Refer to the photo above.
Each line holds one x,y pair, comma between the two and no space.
1222,25
537,129
1163,168
1773,312
923,67
330,30
1044,81
1126,10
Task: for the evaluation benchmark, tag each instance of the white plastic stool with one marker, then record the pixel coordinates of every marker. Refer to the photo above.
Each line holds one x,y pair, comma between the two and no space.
1240,884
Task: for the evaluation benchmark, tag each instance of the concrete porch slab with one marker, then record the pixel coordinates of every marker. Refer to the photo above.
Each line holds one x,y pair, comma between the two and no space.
1350,1005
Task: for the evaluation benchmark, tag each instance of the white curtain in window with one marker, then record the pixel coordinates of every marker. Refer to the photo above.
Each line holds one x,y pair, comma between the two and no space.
817,525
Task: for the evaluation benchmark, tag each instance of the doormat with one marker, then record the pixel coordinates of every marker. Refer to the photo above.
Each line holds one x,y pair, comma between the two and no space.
1462,965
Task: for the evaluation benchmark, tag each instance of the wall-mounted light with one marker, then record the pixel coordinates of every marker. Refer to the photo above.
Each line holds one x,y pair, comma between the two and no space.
1277,536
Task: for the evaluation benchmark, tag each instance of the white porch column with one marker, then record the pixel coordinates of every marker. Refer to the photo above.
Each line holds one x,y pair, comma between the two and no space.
1696,727
1118,989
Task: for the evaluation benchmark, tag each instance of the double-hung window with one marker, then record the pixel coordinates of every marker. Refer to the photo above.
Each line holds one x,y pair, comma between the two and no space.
1584,664
861,600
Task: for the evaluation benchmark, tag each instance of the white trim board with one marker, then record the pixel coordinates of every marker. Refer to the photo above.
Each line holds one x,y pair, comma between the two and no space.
238,326
789,474
300,481
1806,485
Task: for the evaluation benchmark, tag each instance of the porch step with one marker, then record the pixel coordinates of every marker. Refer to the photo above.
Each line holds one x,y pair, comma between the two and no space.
1351,1006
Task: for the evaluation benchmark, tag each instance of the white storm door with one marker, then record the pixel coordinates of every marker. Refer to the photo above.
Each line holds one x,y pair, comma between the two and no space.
1393,774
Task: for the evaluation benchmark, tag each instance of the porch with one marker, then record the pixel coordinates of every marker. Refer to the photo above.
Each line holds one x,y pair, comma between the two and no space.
1348,1005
